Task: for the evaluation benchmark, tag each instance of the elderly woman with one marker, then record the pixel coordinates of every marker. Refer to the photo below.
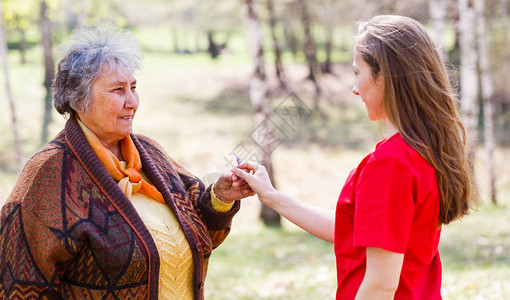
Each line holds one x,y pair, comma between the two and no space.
99,212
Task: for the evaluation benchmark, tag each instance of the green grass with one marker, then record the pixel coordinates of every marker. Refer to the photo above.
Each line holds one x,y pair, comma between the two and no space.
476,253
272,264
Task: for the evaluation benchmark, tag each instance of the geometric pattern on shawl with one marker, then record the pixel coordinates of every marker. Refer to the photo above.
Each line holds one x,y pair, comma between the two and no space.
75,243
111,266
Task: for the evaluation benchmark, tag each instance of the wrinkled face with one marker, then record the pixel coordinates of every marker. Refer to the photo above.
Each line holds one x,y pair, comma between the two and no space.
369,89
113,107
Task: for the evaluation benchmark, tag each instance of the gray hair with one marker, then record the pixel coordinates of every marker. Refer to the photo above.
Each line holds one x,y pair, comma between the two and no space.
93,50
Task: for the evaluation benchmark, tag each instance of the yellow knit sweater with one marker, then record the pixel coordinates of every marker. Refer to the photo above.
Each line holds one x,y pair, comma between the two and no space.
176,260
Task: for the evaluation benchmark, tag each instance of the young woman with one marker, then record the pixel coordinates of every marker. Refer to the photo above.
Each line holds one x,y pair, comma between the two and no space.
389,214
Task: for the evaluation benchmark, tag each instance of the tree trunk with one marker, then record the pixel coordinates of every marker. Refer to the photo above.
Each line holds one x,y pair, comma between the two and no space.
14,122
309,48
213,48
469,73
487,95
280,72
49,68
22,46
329,48
437,11
290,38
309,42
259,97
327,14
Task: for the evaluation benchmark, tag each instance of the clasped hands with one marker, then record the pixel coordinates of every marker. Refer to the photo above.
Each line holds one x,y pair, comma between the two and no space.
244,180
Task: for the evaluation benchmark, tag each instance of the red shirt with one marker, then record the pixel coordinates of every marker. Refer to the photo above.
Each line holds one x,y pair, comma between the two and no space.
390,201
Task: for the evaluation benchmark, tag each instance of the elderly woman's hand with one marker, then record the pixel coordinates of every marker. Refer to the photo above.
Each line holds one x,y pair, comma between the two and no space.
230,187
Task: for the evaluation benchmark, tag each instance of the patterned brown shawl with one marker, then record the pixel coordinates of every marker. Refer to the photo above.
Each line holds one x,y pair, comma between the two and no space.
68,232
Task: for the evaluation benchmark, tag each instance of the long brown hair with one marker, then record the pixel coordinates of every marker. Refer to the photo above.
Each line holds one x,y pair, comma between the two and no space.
419,100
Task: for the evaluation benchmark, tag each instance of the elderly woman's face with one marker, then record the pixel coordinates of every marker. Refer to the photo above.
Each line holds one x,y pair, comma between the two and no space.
114,104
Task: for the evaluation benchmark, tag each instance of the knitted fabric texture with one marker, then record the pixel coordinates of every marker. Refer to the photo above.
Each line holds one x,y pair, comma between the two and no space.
68,232
176,258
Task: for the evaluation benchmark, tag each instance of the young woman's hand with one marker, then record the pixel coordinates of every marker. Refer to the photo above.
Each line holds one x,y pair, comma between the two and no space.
257,177
317,221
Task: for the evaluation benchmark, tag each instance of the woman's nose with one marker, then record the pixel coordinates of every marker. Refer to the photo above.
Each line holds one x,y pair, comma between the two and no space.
132,100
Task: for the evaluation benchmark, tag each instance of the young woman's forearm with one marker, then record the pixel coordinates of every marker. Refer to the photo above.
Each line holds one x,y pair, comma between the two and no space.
317,221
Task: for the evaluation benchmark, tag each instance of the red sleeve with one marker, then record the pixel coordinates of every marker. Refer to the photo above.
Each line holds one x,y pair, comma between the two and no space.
384,205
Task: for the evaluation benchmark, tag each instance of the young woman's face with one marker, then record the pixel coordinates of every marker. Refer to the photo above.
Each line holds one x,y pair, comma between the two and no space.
369,89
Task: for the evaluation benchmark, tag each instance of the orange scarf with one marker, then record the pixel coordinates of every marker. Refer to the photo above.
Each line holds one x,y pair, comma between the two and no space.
129,179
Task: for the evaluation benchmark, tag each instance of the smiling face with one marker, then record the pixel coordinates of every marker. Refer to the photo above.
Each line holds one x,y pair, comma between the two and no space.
113,107
370,89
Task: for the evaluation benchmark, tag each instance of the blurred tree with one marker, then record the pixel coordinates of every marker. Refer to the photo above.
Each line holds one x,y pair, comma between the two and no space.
14,123
280,71
310,48
19,15
437,11
333,15
291,40
214,16
487,87
499,39
189,22
49,67
259,99
468,72
327,12
213,48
